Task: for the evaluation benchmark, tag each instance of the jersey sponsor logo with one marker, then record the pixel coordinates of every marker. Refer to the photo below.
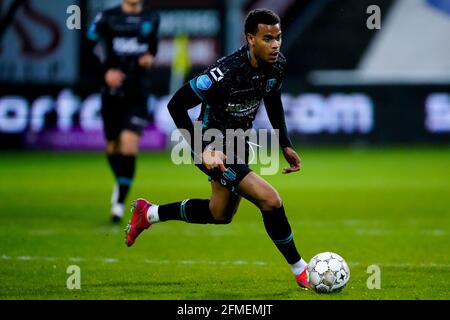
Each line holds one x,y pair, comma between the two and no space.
217,74
243,109
129,46
133,19
270,83
203,82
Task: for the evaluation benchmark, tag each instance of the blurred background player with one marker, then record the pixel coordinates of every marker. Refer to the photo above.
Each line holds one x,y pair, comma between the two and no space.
128,41
257,70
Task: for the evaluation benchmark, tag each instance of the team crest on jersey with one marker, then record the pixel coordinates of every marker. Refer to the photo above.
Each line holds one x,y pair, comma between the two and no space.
146,28
270,84
203,82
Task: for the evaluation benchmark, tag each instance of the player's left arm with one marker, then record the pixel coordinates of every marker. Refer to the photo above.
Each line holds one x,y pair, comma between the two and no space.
275,112
147,60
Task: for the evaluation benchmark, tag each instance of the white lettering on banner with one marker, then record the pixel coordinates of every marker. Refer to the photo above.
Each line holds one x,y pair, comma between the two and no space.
307,113
314,113
437,109
39,108
13,114
90,119
66,106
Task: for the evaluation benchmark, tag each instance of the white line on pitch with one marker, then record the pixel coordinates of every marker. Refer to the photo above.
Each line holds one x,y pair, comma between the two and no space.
212,262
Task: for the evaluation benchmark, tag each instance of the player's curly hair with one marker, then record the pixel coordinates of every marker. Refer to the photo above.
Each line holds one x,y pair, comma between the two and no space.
257,16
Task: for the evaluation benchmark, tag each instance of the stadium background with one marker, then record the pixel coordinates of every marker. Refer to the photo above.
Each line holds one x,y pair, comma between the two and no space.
368,109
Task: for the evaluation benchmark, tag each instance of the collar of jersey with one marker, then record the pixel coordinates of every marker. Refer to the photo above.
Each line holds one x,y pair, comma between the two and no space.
247,54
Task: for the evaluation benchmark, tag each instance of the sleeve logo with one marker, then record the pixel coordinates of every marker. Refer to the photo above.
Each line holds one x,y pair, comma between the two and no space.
217,74
203,82
146,28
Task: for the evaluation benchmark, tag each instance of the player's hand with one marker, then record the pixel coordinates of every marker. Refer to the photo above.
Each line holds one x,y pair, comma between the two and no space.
114,78
213,159
146,60
293,159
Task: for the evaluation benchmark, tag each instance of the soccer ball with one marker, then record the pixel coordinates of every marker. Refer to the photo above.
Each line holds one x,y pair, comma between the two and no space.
328,272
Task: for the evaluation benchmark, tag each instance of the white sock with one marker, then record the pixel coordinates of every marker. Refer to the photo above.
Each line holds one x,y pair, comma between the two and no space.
298,267
118,209
152,214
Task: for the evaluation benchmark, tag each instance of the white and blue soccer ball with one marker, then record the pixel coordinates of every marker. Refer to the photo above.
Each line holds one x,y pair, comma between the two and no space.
328,272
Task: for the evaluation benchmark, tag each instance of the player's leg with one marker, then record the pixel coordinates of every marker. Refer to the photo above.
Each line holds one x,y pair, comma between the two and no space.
112,152
129,142
266,198
128,149
219,210
113,156
111,126
223,203
133,120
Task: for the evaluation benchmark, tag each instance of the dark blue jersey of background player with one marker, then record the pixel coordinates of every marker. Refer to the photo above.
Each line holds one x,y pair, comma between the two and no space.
127,37
124,38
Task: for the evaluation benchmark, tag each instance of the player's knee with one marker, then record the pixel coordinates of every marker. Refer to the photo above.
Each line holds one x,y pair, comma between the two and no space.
111,148
221,216
271,202
128,150
223,220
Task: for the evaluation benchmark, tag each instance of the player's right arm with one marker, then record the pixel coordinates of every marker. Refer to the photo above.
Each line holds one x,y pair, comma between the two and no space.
184,99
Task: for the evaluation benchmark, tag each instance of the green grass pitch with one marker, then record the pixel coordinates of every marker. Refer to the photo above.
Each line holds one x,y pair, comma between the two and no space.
383,206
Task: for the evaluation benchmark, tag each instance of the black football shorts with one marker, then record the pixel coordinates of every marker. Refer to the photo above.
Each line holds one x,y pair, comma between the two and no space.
123,113
234,174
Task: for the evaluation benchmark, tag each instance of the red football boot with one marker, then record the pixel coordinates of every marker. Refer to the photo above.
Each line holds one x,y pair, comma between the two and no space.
138,222
302,279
